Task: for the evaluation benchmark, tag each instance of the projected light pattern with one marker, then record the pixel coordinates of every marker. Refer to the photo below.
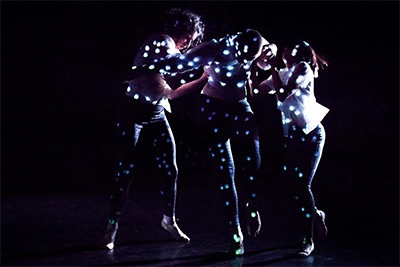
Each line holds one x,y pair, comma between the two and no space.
219,57
165,165
228,76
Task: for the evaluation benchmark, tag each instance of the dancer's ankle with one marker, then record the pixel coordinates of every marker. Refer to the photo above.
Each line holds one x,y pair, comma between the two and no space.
168,220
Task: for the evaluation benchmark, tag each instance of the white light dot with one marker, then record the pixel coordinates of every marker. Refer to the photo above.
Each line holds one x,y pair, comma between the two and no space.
151,67
256,91
136,96
240,84
145,54
147,48
228,74
226,52
128,89
180,66
157,50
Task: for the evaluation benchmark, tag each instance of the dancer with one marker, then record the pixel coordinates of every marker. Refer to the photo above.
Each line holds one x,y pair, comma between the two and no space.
301,119
225,115
141,112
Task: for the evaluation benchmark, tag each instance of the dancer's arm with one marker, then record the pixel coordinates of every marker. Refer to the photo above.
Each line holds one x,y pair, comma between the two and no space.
283,91
190,87
201,55
263,62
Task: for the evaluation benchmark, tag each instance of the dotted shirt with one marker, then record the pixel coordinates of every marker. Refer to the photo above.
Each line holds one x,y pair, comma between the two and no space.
300,107
226,73
152,88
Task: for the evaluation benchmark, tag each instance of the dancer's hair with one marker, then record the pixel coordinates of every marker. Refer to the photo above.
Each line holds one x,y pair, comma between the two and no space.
302,51
180,22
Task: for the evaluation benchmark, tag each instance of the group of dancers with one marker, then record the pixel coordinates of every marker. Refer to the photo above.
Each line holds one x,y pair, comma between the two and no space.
230,66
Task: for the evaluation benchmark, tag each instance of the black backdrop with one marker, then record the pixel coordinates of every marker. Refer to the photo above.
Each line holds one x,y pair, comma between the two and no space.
63,64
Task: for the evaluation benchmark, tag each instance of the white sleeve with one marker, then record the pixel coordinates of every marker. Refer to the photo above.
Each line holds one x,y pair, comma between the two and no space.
156,47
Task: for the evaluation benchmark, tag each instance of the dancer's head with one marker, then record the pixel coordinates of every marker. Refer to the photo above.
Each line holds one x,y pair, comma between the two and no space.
185,27
302,51
248,45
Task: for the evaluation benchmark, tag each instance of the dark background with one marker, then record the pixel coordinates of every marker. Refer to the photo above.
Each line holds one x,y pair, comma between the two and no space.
62,69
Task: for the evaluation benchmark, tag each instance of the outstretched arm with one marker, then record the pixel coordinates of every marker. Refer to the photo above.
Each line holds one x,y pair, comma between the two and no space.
190,87
201,55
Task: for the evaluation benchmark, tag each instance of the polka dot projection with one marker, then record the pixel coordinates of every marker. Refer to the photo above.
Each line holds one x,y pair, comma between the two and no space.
222,58
226,62
163,149
300,164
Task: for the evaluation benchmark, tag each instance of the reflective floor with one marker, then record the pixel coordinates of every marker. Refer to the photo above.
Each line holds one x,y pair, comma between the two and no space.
65,229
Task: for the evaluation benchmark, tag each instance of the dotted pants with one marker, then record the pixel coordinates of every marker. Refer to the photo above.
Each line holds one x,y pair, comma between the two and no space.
162,149
223,123
302,155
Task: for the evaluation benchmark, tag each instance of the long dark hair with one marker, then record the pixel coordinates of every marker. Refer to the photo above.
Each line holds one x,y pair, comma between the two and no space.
180,22
302,51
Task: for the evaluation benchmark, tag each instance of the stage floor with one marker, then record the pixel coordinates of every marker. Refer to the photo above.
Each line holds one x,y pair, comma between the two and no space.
65,229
